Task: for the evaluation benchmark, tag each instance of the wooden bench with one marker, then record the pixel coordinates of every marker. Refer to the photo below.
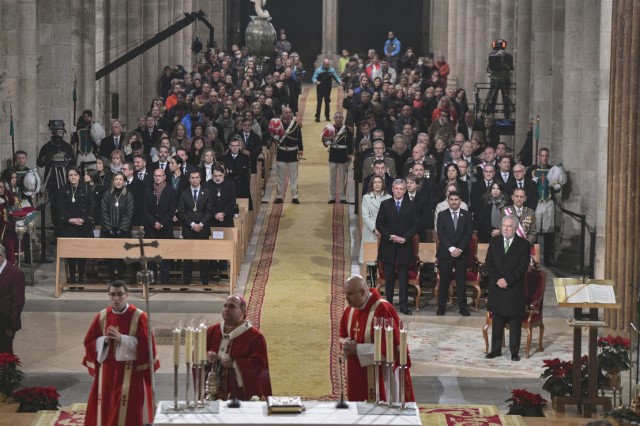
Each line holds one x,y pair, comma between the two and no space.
113,248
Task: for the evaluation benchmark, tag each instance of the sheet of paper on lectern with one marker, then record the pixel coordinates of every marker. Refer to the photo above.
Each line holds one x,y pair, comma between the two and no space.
590,293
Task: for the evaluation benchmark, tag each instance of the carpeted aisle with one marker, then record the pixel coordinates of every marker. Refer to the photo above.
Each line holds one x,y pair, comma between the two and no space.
295,285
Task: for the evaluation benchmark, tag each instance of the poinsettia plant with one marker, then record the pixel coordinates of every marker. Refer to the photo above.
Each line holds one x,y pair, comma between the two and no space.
37,398
614,354
525,403
10,374
558,376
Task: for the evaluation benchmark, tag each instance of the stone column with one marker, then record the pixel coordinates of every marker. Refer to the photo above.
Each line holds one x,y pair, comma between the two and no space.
150,65
439,32
217,16
622,256
165,48
88,45
177,39
19,83
507,14
541,56
329,31
522,60
482,44
495,8
134,82
461,38
557,80
187,54
118,34
100,113
452,41
470,47
603,129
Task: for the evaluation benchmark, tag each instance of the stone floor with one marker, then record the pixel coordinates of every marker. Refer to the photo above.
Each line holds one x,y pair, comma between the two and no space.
51,349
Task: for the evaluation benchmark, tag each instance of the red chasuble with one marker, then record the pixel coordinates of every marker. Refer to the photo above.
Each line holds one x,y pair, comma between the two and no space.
248,349
121,389
357,324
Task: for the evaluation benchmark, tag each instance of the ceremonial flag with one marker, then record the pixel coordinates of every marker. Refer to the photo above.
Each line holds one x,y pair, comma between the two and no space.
537,130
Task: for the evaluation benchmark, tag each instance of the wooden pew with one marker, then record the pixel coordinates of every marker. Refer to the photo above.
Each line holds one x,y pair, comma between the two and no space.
112,248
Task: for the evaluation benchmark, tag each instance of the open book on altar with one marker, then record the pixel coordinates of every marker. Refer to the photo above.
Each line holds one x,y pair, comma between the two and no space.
590,293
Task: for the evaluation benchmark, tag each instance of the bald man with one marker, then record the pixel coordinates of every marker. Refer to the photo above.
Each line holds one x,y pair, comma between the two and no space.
238,351
356,336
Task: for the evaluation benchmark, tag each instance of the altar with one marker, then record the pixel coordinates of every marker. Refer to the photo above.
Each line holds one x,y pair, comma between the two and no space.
255,413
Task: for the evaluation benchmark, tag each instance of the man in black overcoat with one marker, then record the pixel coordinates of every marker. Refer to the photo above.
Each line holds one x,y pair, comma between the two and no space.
507,261
397,223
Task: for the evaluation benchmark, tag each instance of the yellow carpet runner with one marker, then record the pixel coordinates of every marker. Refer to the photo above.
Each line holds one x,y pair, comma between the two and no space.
295,285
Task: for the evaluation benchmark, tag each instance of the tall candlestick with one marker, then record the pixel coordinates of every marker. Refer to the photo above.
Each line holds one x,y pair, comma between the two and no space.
196,345
203,343
188,345
377,344
389,343
403,347
176,346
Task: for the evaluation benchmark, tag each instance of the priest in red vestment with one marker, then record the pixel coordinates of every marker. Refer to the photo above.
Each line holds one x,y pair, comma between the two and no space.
237,352
117,356
356,335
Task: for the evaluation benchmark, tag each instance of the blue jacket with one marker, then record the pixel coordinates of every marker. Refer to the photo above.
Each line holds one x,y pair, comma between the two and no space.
392,47
324,76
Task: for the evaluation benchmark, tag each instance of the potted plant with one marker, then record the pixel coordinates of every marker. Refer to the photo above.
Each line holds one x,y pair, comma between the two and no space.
526,404
558,376
37,398
10,375
613,358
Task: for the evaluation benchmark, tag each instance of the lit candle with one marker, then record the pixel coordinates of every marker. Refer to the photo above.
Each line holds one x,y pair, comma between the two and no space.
176,347
377,344
403,347
389,346
196,346
188,345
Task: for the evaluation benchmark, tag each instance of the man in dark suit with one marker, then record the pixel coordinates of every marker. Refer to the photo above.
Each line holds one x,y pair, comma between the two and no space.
163,160
160,206
195,208
503,174
142,172
454,233
252,143
529,186
507,261
238,169
484,182
186,167
151,134
11,301
397,223
136,187
112,142
468,125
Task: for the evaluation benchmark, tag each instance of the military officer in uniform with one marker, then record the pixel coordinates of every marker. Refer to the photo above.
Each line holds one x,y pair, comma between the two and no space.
526,226
340,154
289,151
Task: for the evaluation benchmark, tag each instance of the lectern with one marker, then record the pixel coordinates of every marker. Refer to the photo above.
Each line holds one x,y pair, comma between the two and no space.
585,296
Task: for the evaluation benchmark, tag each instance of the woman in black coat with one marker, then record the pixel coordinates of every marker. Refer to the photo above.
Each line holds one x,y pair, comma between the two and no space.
75,206
117,215
452,177
92,179
486,218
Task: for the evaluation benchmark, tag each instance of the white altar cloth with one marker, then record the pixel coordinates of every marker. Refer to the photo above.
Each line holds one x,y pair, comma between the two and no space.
316,413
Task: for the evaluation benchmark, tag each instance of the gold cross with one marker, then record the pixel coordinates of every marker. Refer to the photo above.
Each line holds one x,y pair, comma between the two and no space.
356,330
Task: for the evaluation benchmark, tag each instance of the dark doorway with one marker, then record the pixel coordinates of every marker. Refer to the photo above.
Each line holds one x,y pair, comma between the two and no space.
364,24
301,20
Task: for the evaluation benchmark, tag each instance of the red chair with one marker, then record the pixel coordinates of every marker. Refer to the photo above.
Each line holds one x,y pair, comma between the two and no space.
535,282
474,274
414,272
